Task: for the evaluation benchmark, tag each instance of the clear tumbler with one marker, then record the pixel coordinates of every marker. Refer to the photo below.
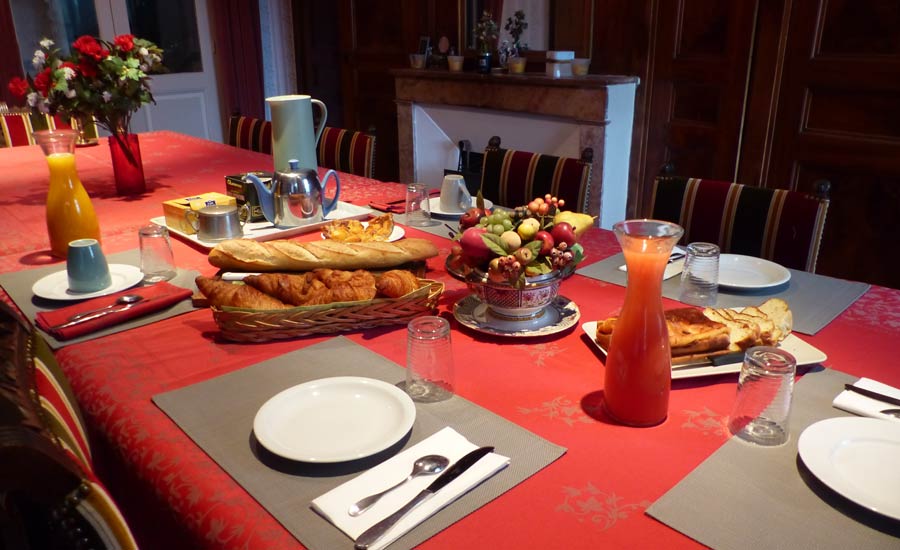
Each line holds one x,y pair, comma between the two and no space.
763,402
157,260
700,276
418,209
429,360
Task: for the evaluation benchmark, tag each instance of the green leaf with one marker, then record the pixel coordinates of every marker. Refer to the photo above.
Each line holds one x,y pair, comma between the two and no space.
534,247
494,244
577,253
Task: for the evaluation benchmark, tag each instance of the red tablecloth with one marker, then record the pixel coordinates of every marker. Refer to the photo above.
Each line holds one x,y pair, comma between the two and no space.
594,496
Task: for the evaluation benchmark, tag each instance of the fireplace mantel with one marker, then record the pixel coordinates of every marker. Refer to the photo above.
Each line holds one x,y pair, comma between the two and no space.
597,110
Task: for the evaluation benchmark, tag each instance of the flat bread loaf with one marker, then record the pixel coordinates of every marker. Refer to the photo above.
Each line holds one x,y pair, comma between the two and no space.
690,332
284,255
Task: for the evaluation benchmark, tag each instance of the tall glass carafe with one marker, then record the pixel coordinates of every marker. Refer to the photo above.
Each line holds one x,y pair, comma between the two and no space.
638,362
70,214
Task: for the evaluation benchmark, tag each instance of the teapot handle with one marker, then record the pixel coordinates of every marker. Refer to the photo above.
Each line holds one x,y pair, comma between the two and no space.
328,206
321,127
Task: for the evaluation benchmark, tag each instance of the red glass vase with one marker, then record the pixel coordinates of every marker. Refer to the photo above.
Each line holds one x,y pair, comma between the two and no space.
638,373
128,169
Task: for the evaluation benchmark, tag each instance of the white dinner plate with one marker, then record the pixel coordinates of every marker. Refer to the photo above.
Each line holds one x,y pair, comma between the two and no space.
56,285
857,458
434,205
749,272
396,234
334,419
803,352
265,231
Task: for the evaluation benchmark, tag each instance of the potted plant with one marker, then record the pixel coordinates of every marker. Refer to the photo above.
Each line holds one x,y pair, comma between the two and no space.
486,32
515,26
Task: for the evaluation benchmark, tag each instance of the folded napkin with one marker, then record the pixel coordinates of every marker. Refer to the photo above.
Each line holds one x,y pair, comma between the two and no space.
397,206
867,406
672,269
333,505
156,297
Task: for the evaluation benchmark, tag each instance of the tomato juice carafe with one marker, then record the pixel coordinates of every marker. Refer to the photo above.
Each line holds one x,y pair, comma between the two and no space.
638,362
70,214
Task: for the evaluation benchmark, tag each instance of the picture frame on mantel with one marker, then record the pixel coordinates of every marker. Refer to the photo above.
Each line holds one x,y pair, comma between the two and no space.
424,45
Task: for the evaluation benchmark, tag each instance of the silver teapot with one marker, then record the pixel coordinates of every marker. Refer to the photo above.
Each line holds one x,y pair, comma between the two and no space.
295,197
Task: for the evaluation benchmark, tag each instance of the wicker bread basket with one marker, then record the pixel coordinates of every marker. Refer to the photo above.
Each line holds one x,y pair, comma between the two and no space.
248,325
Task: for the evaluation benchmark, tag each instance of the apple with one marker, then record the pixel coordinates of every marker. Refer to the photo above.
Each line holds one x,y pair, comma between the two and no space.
547,241
524,255
528,228
470,218
564,233
473,246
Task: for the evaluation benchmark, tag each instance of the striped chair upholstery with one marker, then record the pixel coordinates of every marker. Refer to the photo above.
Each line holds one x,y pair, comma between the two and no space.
347,151
19,126
250,133
776,224
513,178
48,484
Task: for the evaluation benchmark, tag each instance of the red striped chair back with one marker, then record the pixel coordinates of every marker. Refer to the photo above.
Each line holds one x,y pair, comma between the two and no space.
17,129
513,178
776,224
347,151
250,133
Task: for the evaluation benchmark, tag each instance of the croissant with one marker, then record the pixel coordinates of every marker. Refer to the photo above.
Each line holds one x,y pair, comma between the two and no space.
297,290
347,286
396,283
222,293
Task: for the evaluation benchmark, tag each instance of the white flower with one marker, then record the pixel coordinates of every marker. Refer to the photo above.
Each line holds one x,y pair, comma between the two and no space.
144,68
107,96
46,43
70,93
143,52
33,98
39,59
68,73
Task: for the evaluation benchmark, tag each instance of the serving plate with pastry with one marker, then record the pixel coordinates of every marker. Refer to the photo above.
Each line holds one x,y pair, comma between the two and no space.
710,341
380,228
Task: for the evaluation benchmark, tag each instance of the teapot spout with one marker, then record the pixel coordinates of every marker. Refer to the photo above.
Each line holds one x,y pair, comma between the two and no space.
266,197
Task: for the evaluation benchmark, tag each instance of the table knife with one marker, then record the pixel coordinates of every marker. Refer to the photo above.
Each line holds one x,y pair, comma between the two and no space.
99,314
872,394
712,361
375,532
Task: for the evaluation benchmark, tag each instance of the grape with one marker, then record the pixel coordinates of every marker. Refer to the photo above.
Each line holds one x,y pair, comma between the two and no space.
497,229
507,224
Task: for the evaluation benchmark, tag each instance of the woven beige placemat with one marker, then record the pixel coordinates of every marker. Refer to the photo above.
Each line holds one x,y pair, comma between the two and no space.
218,415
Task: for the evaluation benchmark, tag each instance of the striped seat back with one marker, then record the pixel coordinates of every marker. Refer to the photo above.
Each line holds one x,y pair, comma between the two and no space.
250,133
776,224
18,128
513,178
347,151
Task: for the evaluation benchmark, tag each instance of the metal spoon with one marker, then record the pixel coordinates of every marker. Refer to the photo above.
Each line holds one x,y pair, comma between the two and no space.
429,464
125,299
891,412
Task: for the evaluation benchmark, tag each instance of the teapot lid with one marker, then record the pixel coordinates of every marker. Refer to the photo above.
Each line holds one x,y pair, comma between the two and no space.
293,164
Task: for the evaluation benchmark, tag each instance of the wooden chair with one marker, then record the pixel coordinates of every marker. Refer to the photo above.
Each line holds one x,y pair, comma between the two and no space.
347,151
513,178
51,496
775,224
18,127
250,133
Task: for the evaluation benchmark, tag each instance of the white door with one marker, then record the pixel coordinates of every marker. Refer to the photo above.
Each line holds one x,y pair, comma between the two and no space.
186,97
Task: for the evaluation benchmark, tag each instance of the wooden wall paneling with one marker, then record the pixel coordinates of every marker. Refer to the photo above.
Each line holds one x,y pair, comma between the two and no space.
318,57
10,64
701,64
839,118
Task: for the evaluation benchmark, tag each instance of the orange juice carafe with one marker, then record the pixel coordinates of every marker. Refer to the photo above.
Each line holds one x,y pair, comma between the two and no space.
70,214
638,363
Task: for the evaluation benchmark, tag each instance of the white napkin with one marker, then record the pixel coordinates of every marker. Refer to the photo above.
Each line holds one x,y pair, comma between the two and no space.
866,406
672,269
333,505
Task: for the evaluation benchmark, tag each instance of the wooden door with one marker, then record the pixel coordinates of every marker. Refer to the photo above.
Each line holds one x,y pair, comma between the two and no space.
838,118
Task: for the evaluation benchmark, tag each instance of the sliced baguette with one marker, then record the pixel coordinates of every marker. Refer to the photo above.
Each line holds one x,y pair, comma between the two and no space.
742,334
778,311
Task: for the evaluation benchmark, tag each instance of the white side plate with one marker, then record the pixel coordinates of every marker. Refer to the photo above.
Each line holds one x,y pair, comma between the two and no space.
857,458
803,352
56,285
748,272
434,204
334,419
265,231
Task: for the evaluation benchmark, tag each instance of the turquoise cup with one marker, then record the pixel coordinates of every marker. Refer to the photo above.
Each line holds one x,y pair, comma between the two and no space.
86,266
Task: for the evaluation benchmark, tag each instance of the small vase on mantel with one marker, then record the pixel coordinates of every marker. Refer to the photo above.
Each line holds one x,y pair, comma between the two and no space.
70,213
125,150
484,63
638,373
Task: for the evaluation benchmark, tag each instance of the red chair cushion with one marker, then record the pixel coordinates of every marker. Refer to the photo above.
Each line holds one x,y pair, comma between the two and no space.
513,178
250,133
347,151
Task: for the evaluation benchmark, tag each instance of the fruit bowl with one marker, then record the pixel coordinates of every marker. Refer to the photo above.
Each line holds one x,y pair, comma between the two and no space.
514,303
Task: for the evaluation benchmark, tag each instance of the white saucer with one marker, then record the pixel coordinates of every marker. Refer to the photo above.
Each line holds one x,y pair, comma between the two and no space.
334,419
750,272
857,458
561,315
56,285
434,204
396,234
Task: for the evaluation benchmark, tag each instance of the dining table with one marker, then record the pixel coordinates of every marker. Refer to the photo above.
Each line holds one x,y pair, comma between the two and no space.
597,494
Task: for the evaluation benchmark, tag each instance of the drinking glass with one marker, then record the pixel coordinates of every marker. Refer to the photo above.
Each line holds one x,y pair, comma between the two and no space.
764,391
418,211
429,360
157,260
700,276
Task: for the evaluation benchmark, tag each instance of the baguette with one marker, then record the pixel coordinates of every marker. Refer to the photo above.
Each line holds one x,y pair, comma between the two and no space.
283,255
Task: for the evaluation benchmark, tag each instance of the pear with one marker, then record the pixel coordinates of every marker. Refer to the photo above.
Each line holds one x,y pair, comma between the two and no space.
580,222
